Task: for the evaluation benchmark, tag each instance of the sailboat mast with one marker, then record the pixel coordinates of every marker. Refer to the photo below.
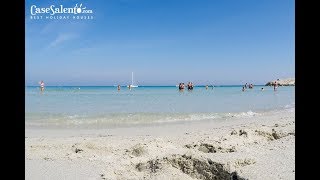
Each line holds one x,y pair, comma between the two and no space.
131,78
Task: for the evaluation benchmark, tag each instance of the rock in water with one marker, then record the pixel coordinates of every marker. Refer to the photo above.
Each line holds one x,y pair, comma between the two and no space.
282,82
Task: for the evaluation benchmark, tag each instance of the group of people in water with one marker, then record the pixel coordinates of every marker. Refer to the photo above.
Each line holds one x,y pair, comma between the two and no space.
189,86
246,86
181,86
250,86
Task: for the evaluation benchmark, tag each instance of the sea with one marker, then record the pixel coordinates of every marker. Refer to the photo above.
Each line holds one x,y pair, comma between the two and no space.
106,107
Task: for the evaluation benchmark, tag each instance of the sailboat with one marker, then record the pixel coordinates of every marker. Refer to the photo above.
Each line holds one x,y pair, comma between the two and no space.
132,85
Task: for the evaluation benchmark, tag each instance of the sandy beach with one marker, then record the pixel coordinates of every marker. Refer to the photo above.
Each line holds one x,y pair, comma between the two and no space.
260,146
158,90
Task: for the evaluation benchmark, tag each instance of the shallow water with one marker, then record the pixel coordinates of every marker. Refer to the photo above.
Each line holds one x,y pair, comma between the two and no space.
97,106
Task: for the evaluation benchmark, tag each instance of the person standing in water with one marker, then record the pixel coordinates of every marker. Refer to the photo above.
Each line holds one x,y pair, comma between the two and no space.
118,87
275,86
181,86
190,86
41,86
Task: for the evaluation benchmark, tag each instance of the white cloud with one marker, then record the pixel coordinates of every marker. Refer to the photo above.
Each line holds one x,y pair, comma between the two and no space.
62,38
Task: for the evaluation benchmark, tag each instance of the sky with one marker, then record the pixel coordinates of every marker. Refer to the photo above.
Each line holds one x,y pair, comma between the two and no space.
163,42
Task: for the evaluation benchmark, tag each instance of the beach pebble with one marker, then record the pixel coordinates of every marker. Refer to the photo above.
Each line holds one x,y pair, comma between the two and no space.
242,132
234,132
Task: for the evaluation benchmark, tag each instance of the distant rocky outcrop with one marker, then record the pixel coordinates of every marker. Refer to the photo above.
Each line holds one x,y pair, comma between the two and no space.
282,82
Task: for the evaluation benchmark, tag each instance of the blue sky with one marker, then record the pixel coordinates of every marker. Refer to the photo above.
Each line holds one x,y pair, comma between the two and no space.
163,42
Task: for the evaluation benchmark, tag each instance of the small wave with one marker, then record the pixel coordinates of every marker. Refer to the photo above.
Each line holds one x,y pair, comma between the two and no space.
288,106
73,116
126,119
246,114
116,119
290,109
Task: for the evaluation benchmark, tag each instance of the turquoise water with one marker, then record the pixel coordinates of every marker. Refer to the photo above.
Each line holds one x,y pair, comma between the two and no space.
97,106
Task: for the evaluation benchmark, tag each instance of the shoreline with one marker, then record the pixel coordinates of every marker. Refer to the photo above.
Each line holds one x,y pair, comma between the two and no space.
156,127
261,146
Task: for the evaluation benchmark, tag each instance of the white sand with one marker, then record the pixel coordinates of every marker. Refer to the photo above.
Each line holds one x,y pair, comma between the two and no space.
199,150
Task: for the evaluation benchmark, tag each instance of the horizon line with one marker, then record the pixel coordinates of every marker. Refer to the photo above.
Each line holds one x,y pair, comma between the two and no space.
141,85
